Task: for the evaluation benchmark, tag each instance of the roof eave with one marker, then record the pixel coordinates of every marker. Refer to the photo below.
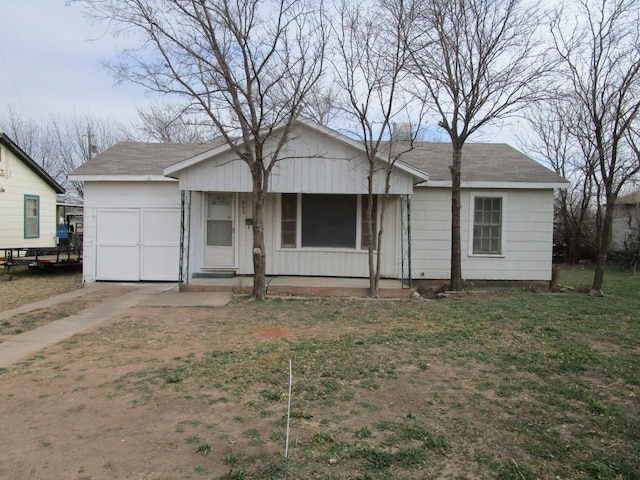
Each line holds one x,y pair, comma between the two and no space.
500,185
120,178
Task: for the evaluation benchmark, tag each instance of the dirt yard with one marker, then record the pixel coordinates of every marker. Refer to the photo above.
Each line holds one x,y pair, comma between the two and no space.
452,390
64,414
83,410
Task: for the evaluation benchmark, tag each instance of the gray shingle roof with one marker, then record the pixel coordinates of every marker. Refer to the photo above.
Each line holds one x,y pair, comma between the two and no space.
135,158
481,162
631,199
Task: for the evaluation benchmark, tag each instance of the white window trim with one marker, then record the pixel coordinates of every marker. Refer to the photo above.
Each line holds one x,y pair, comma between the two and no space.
300,248
503,230
279,246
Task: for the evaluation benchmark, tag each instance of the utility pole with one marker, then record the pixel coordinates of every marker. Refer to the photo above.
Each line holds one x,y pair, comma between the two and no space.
91,147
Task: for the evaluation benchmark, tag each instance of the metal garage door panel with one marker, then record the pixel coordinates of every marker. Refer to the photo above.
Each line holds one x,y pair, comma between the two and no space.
117,244
160,246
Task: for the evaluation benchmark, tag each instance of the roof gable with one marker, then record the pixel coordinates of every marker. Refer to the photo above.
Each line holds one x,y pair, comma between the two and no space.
301,128
313,160
26,159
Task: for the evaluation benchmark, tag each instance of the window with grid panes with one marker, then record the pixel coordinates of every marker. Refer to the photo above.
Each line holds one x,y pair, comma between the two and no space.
487,226
289,221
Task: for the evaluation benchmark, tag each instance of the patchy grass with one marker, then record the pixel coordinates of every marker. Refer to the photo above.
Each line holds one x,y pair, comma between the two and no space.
28,286
28,321
506,385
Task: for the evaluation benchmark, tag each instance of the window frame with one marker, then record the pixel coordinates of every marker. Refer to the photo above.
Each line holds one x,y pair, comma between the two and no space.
27,217
294,219
472,222
357,247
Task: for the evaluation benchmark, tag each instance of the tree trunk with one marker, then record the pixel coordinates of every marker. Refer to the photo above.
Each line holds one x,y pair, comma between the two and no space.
373,287
456,254
604,242
373,284
259,255
383,205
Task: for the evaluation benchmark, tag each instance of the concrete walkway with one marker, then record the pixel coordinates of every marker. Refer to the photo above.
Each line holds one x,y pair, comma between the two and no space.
15,347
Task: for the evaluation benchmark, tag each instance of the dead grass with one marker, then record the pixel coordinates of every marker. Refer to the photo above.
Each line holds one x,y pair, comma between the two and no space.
28,286
507,385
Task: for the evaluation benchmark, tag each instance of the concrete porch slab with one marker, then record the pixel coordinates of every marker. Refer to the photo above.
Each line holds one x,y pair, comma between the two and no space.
301,286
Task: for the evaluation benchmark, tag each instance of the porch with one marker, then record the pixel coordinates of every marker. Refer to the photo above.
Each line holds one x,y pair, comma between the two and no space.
301,286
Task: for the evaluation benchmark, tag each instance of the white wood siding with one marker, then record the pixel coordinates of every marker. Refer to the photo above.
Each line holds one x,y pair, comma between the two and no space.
527,249
626,224
304,262
19,180
310,164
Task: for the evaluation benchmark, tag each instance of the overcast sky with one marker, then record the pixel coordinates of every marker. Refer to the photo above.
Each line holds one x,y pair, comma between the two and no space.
51,64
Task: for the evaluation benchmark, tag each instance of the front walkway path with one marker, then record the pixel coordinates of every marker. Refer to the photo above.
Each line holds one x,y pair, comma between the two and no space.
15,347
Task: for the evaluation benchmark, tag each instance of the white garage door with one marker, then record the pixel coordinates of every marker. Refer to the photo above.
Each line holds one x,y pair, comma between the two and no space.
137,244
160,246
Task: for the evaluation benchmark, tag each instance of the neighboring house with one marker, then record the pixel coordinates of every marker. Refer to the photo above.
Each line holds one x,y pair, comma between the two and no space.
626,224
27,200
169,211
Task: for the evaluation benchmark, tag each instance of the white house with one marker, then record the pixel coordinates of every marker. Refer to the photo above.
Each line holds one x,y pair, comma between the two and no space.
178,211
27,200
626,223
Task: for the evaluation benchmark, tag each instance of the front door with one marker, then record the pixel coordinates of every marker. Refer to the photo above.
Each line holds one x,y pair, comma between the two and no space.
219,231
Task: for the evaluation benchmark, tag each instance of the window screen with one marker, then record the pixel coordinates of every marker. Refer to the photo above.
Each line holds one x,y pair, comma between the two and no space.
329,221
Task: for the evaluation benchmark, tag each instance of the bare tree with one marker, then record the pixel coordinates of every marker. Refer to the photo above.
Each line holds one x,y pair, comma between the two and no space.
321,105
35,138
246,65
370,67
550,140
478,61
173,124
598,42
61,144
80,137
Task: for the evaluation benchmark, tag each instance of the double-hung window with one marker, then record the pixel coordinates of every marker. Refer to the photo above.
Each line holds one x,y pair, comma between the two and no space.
289,220
31,216
487,225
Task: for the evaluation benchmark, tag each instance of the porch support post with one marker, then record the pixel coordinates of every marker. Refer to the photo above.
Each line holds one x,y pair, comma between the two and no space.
185,236
188,235
409,238
402,238
182,228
